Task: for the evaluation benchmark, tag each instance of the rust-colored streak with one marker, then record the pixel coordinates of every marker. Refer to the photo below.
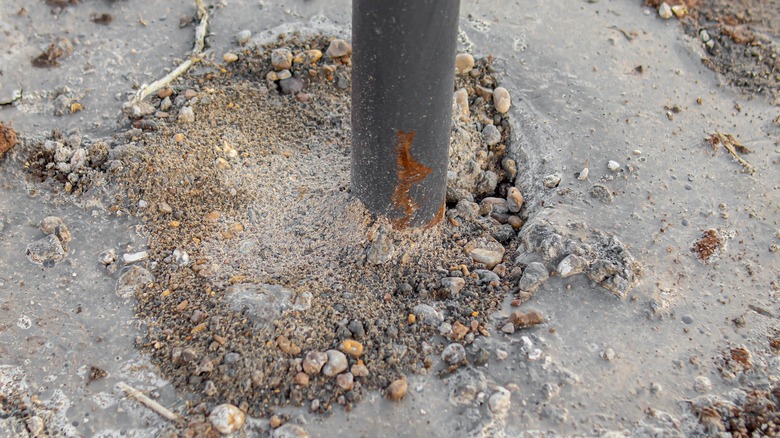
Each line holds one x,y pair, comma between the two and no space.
439,215
409,172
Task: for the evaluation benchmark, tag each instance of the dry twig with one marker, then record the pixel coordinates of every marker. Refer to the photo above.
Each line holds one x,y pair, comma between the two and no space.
149,403
195,56
733,146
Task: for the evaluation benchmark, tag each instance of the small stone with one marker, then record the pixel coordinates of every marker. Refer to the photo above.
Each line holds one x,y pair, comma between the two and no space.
230,57
533,276
337,363
133,281
453,285
613,166
500,402
136,110
56,226
462,104
359,370
243,36
301,379
46,251
571,265
281,59
515,222
490,135
453,354
489,257
514,199
314,361
552,181
526,320
397,390
352,348
608,354
464,62
508,328
680,11
501,100
345,381
484,92
583,175
428,315
290,430
702,384
291,85
190,94
458,331
501,354
382,249
227,418
601,192
78,160
338,48
134,257
186,115
275,421
107,257
665,11
35,426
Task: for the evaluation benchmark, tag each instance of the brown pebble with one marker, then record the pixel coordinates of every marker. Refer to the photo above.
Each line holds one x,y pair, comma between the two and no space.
178,138
523,320
164,92
190,93
459,331
301,379
302,97
359,370
275,422
397,390
345,381
352,347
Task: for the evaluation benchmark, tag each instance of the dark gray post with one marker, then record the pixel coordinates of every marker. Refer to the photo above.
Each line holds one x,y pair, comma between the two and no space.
402,87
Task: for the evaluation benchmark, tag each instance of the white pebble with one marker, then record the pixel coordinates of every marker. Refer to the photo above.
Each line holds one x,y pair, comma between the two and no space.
613,166
135,257
243,37
665,11
583,174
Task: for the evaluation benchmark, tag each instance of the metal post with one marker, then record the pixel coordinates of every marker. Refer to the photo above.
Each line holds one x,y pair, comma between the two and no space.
402,86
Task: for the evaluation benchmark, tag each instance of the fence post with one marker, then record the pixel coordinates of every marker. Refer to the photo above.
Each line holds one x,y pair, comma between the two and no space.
402,86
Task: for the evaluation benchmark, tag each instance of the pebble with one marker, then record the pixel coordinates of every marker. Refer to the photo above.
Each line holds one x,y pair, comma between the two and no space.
227,418
608,354
508,328
462,104
186,115
397,390
490,135
489,257
501,100
190,94
281,59
552,181
665,11
107,257
501,354
243,37
453,354
339,48
382,249
230,57
56,226
526,320
301,379
291,85
290,430
687,319
428,315
464,62
345,381
314,361
136,110
180,257
128,258
571,265
337,363
533,276
359,370
702,384
515,222
47,250
583,175
79,159
352,348
500,402
514,199
35,426
453,285
133,281
486,276
602,193
275,421
613,166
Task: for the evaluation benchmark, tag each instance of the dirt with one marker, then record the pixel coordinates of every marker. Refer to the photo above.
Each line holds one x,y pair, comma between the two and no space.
610,132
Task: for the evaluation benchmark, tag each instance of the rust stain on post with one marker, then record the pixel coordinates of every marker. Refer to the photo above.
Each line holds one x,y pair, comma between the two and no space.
409,172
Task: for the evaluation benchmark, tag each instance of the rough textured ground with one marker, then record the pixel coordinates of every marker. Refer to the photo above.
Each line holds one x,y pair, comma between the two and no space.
613,124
